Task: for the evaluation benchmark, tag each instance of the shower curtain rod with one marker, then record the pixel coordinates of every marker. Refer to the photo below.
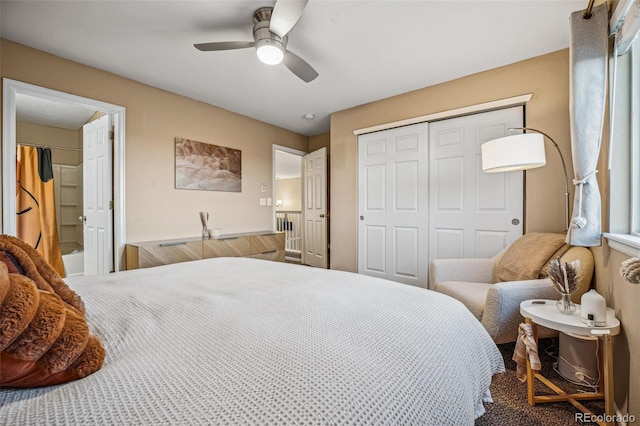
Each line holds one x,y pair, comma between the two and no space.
51,147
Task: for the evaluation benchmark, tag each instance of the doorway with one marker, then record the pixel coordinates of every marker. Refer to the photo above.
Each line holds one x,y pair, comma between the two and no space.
53,105
288,196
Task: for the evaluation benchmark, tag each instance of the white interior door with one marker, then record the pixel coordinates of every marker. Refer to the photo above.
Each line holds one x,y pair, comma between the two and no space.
97,197
472,214
315,208
392,200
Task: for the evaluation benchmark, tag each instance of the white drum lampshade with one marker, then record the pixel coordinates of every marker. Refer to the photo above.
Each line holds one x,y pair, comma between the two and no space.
512,153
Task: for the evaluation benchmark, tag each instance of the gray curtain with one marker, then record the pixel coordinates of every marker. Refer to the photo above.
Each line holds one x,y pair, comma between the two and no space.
588,84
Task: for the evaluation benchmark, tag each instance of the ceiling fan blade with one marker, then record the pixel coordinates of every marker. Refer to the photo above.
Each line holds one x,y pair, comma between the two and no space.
299,67
285,15
223,45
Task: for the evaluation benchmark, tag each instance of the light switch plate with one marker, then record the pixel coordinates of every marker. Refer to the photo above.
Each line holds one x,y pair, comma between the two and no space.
263,201
268,201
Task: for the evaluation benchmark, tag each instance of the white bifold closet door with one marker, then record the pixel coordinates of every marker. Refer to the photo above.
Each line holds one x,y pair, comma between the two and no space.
471,213
392,198
422,195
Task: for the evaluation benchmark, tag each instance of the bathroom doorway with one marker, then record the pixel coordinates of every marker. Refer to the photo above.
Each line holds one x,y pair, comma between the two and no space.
44,118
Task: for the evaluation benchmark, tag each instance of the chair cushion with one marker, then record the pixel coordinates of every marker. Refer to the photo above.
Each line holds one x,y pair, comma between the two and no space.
472,295
526,258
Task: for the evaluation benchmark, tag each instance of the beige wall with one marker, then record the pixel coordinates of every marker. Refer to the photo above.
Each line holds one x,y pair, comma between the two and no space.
154,209
53,137
319,141
546,77
289,191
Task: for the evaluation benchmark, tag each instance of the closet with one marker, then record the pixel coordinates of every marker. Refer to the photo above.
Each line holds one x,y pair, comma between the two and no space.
422,195
68,189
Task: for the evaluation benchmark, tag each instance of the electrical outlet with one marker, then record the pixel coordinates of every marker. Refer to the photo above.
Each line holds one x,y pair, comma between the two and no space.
263,188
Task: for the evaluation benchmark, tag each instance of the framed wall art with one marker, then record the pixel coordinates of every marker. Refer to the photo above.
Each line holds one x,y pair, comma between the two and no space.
207,167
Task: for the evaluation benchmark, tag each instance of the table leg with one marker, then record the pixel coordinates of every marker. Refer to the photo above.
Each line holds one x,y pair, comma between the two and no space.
609,409
531,373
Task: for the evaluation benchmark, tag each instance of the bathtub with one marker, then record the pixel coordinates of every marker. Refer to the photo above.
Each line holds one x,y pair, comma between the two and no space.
74,263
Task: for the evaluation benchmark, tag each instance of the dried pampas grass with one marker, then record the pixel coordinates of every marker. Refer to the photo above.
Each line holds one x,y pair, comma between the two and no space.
564,275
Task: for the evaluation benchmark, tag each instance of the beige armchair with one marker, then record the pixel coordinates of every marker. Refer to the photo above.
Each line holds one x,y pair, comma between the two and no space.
474,282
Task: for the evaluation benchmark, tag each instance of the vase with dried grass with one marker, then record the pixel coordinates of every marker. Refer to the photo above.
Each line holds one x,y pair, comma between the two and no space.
564,277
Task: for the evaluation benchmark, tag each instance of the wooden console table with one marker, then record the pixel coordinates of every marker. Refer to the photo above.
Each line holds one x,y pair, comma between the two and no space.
261,245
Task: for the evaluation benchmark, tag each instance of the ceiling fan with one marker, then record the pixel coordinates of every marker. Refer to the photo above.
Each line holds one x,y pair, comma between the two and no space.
270,28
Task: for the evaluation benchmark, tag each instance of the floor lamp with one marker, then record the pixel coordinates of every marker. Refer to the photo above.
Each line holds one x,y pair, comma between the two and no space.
522,152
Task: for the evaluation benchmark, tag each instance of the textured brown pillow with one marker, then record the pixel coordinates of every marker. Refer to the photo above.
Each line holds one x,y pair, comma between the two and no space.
11,262
44,339
528,255
38,269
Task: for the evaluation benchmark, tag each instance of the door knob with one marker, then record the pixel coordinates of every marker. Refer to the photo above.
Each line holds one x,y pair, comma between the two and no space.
515,221
361,217
321,215
82,219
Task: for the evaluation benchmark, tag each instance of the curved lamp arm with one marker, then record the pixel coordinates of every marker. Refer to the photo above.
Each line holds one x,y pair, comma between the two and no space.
564,169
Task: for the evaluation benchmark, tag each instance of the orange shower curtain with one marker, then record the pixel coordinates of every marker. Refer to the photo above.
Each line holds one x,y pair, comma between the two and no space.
36,203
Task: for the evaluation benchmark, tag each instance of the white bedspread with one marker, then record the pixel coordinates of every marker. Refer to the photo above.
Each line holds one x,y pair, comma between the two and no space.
245,341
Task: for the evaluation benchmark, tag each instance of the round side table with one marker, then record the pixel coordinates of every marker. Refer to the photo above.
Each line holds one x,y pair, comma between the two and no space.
544,313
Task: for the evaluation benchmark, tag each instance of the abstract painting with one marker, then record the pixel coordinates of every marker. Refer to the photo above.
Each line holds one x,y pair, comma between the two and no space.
207,167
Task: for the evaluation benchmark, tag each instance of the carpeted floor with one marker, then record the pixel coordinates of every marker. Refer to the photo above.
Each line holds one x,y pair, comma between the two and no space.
510,405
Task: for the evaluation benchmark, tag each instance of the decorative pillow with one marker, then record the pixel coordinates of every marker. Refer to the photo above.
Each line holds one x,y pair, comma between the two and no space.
34,266
44,336
527,256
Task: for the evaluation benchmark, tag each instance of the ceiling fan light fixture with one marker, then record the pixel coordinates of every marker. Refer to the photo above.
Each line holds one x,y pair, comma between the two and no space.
271,26
270,51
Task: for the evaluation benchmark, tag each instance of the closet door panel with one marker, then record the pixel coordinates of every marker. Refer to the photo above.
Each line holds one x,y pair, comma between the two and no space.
407,262
392,203
375,248
448,243
472,214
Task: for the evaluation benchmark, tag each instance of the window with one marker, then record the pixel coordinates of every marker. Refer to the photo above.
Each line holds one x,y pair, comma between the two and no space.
624,176
634,122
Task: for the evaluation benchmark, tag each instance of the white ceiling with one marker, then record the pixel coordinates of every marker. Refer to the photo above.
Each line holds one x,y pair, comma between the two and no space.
51,113
364,50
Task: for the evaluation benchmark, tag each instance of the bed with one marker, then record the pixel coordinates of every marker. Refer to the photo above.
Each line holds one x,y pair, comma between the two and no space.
247,341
